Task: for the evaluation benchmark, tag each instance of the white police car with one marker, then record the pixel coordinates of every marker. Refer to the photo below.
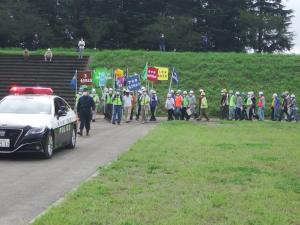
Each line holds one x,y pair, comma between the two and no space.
34,120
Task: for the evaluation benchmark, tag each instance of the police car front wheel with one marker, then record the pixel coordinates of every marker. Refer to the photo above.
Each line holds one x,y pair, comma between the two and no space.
48,146
72,142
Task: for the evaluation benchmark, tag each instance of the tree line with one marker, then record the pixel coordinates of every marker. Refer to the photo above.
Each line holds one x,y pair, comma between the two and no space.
188,25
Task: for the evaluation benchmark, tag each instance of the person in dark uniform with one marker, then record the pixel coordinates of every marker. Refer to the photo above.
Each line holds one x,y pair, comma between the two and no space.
84,109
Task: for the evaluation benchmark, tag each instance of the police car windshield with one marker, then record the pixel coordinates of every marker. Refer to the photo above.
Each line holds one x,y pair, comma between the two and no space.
26,105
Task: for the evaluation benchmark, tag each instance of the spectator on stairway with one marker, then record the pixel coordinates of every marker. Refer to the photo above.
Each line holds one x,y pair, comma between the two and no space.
81,46
26,54
35,42
48,55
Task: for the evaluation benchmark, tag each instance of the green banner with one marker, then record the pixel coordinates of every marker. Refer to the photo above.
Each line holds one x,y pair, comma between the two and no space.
99,72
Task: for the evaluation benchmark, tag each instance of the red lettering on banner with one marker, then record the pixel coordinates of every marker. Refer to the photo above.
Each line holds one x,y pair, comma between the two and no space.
85,78
152,74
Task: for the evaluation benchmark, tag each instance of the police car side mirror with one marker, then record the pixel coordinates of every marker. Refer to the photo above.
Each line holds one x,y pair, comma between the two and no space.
61,113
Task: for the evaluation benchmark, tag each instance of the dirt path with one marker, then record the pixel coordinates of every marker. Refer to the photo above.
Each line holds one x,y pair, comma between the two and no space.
29,185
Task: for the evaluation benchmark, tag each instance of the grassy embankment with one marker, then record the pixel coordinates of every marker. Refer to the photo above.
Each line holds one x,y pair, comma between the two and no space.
230,174
211,71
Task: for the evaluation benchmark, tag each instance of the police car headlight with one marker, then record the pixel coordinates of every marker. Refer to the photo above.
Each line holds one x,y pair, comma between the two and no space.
38,130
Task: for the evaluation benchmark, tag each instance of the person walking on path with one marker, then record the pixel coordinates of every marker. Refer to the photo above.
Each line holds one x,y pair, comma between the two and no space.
170,105
117,108
239,106
109,105
81,46
261,106
96,99
178,105
294,109
85,107
145,101
127,99
204,107
275,107
133,104
249,105
224,105
192,104
138,105
153,104
285,106
185,105
232,105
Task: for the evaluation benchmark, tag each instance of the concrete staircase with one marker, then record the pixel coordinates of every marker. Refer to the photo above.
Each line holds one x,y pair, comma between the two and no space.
14,71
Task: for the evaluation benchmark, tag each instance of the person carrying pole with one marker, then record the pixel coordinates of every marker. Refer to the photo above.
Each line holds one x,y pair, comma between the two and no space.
145,101
204,107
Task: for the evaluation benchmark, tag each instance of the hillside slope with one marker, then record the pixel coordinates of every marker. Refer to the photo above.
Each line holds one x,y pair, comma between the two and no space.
210,71
213,71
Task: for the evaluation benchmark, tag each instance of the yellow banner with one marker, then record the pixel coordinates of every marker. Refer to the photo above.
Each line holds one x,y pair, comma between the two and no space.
119,73
163,73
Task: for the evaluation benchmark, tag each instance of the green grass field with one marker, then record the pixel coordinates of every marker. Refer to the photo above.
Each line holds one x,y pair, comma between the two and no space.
244,173
211,71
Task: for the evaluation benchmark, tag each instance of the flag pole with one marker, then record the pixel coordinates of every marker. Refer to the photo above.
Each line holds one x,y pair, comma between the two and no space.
171,80
114,80
76,85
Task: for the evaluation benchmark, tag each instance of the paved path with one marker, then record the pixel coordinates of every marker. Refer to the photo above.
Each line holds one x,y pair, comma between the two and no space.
28,185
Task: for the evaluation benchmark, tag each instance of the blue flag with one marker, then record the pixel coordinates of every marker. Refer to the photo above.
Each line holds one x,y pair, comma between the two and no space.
175,78
133,83
73,82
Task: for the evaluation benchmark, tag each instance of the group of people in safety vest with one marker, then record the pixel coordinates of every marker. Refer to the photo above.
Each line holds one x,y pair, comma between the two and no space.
180,105
248,106
141,104
183,105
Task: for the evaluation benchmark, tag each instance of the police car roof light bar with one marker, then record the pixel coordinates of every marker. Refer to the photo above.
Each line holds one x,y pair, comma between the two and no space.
31,90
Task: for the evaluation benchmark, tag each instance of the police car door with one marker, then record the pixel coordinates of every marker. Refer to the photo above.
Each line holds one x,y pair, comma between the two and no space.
61,121
70,121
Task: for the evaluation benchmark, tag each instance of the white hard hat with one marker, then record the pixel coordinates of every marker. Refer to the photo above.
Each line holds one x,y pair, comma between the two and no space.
49,49
185,92
179,91
237,93
172,91
153,92
275,95
127,91
191,92
260,93
93,90
201,90
110,89
169,95
293,96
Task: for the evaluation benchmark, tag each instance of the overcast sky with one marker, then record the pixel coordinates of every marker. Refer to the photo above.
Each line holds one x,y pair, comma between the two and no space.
295,5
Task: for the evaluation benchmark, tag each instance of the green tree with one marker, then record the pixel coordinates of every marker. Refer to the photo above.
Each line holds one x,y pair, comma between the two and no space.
266,26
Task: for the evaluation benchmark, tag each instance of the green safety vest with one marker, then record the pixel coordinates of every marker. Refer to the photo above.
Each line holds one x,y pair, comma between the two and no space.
204,104
232,102
95,98
145,100
185,102
109,99
249,102
117,100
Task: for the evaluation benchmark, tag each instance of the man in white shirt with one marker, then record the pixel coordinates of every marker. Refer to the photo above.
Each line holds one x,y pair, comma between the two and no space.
81,46
127,100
